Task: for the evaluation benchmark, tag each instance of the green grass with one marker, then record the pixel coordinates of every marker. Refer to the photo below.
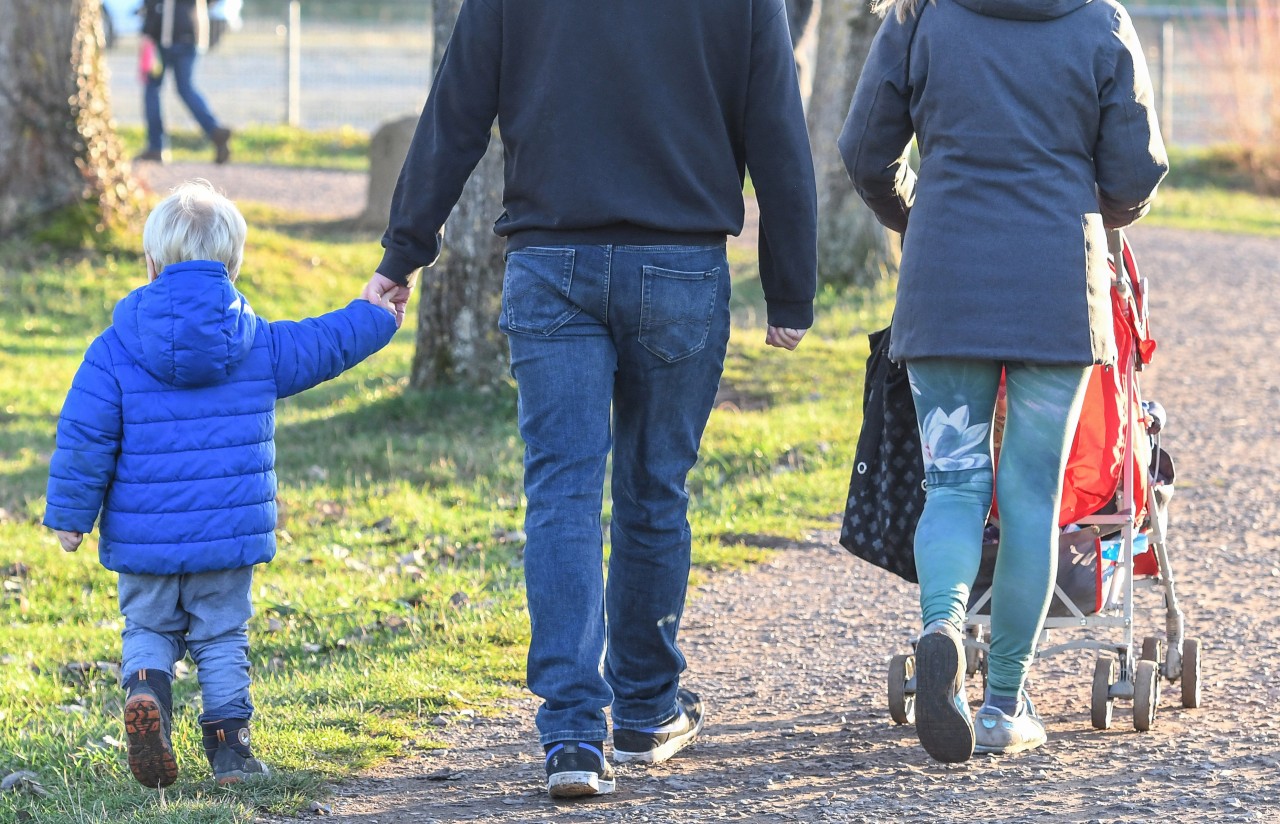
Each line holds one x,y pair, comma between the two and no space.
396,597
1206,190
346,149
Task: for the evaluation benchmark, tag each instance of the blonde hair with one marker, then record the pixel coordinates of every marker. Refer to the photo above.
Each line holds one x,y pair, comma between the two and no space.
904,8
195,222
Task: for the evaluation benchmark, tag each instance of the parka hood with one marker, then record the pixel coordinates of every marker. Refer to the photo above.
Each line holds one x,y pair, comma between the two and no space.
1023,9
189,327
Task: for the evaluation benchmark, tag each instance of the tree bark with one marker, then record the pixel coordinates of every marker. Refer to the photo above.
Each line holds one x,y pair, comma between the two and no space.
58,146
853,248
459,342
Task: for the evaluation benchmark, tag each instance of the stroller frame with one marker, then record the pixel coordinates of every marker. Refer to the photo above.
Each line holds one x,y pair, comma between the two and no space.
1118,672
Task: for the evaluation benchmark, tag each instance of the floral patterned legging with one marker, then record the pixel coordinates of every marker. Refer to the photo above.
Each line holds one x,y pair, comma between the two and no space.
955,400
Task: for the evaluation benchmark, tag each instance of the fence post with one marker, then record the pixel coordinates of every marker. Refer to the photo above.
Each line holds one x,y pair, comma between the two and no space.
293,63
1166,79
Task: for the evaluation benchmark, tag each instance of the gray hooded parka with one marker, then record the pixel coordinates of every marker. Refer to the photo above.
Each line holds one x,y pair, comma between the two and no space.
1036,132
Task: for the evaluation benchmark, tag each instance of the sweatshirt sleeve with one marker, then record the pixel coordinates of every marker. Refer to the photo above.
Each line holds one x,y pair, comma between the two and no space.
451,138
308,352
87,444
781,166
878,130
1130,158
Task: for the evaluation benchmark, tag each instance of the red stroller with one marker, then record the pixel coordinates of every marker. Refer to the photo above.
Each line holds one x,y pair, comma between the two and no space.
1114,521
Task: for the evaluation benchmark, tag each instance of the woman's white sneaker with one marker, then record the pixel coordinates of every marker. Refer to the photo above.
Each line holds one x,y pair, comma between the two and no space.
997,733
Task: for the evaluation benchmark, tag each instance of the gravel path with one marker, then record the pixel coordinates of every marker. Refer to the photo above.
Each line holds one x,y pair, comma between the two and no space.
320,193
791,656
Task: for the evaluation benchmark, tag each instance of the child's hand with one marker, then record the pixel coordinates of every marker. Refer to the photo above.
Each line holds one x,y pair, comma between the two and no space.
70,540
389,295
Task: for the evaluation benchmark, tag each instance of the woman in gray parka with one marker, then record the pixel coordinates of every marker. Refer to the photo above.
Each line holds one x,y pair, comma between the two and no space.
1036,133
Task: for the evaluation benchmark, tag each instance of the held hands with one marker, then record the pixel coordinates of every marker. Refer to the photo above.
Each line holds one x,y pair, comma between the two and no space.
70,540
783,337
389,295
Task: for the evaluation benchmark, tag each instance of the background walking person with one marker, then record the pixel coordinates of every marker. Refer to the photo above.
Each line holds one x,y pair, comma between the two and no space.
179,32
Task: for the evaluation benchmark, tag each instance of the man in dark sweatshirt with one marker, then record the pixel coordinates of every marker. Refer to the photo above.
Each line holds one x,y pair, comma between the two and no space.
628,128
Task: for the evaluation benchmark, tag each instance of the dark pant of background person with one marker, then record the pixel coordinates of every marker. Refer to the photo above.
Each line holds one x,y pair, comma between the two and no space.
180,59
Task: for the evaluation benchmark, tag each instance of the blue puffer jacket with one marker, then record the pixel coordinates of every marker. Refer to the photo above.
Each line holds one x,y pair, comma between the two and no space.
169,427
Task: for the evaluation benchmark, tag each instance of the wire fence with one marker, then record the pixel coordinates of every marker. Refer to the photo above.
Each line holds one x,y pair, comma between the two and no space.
343,72
361,63
1191,71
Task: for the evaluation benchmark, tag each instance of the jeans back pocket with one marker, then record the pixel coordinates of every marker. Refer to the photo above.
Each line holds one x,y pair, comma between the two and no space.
535,291
676,312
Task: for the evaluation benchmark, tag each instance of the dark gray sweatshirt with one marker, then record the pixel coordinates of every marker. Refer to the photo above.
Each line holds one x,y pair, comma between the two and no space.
625,122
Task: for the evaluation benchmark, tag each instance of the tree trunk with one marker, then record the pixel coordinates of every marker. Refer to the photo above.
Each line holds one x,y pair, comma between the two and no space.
58,148
798,12
458,338
853,248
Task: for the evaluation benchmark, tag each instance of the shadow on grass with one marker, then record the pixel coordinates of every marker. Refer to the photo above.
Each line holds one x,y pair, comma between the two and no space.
340,230
420,437
1217,168
433,438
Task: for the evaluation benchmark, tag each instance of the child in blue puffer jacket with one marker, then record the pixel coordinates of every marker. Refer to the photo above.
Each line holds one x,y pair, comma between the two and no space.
168,431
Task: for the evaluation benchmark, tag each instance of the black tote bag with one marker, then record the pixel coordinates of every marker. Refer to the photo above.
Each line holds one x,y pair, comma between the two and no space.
886,490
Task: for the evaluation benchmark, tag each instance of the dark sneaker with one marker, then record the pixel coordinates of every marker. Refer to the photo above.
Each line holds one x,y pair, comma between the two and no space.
221,145
148,710
1000,734
656,744
942,714
578,768
226,745
152,156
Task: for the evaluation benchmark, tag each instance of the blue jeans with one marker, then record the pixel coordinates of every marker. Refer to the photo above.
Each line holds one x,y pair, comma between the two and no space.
613,348
955,402
206,614
180,58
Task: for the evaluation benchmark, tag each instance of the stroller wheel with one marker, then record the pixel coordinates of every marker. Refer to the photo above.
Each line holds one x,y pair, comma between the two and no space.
972,652
902,689
1191,672
1151,650
1146,694
1104,671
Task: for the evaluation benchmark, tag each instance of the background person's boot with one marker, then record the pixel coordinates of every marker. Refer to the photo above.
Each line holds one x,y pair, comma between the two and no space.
221,145
152,156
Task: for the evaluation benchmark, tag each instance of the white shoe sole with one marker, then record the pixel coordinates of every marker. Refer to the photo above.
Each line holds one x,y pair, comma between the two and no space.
658,754
578,784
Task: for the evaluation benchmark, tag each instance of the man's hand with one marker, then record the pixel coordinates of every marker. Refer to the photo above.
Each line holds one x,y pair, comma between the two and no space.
383,291
783,337
70,540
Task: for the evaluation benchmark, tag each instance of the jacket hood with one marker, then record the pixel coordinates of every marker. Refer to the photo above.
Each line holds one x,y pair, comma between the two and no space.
189,327
1023,9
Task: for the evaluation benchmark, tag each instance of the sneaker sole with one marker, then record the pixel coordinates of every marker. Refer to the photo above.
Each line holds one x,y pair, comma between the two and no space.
151,758
1011,749
578,784
944,732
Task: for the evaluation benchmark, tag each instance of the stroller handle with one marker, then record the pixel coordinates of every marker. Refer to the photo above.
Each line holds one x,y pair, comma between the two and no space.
1115,247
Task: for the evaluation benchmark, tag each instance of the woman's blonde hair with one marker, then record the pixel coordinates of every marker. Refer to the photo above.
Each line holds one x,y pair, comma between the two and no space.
904,8
195,223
